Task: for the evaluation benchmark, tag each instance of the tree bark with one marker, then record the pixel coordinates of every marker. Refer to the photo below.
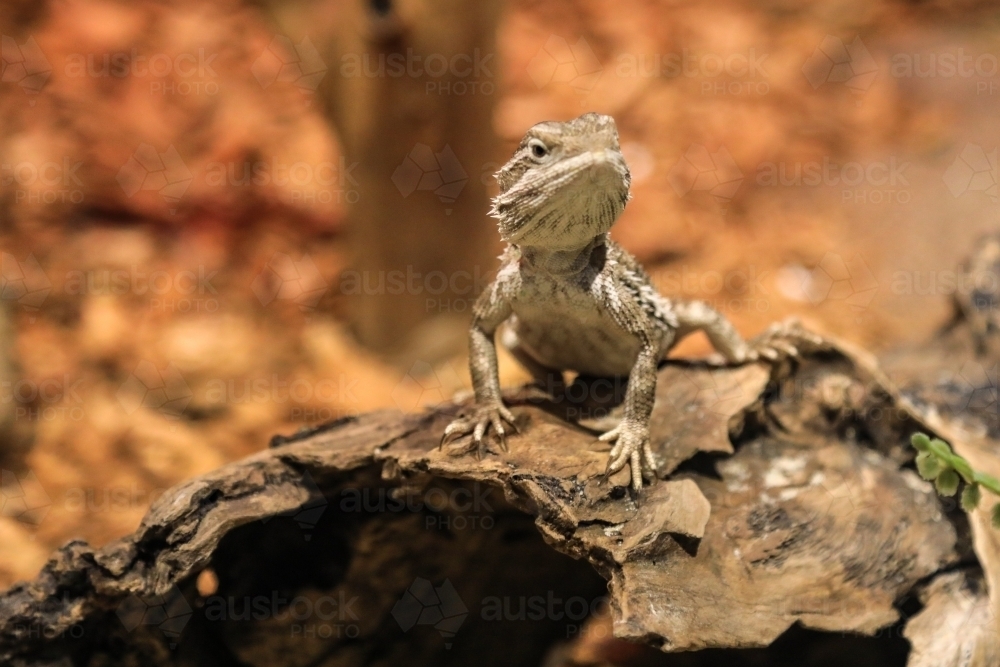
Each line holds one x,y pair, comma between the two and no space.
786,497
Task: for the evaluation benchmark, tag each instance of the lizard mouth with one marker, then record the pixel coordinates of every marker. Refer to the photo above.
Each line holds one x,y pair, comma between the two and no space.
565,203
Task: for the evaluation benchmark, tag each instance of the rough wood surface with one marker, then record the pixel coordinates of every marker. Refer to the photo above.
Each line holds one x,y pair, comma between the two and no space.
790,499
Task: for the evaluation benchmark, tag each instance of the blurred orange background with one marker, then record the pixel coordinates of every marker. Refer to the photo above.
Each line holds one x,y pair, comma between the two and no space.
224,220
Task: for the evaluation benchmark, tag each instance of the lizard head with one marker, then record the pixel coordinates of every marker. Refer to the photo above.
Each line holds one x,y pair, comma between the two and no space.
566,183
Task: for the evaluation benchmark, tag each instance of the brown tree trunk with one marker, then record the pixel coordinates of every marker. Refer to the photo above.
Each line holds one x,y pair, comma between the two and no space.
410,89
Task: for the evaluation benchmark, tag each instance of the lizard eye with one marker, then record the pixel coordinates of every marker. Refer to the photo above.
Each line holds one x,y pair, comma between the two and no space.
538,148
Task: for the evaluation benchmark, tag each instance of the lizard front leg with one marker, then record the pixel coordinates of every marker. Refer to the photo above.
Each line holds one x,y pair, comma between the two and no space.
489,411
631,436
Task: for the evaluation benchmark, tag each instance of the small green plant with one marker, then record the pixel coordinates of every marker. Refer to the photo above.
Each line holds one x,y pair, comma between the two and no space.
938,463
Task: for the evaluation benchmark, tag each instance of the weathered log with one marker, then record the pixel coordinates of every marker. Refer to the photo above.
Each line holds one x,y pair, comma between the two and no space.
786,498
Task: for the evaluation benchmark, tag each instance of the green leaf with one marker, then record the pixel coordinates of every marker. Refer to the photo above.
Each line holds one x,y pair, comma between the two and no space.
971,496
928,465
920,441
941,448
989,481
937,462
947,482
963,468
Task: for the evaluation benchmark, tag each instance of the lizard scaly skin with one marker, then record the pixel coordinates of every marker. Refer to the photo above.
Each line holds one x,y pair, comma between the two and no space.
571,297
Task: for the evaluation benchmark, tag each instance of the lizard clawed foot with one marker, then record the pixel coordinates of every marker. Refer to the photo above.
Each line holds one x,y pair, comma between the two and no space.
782,340
632,449
478,423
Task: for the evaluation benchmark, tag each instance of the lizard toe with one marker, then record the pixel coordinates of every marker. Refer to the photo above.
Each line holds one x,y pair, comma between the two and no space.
611,435
636,465
648,460
497,422
459,427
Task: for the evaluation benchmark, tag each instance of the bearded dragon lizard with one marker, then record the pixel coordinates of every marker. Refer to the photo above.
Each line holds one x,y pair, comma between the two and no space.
572,298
